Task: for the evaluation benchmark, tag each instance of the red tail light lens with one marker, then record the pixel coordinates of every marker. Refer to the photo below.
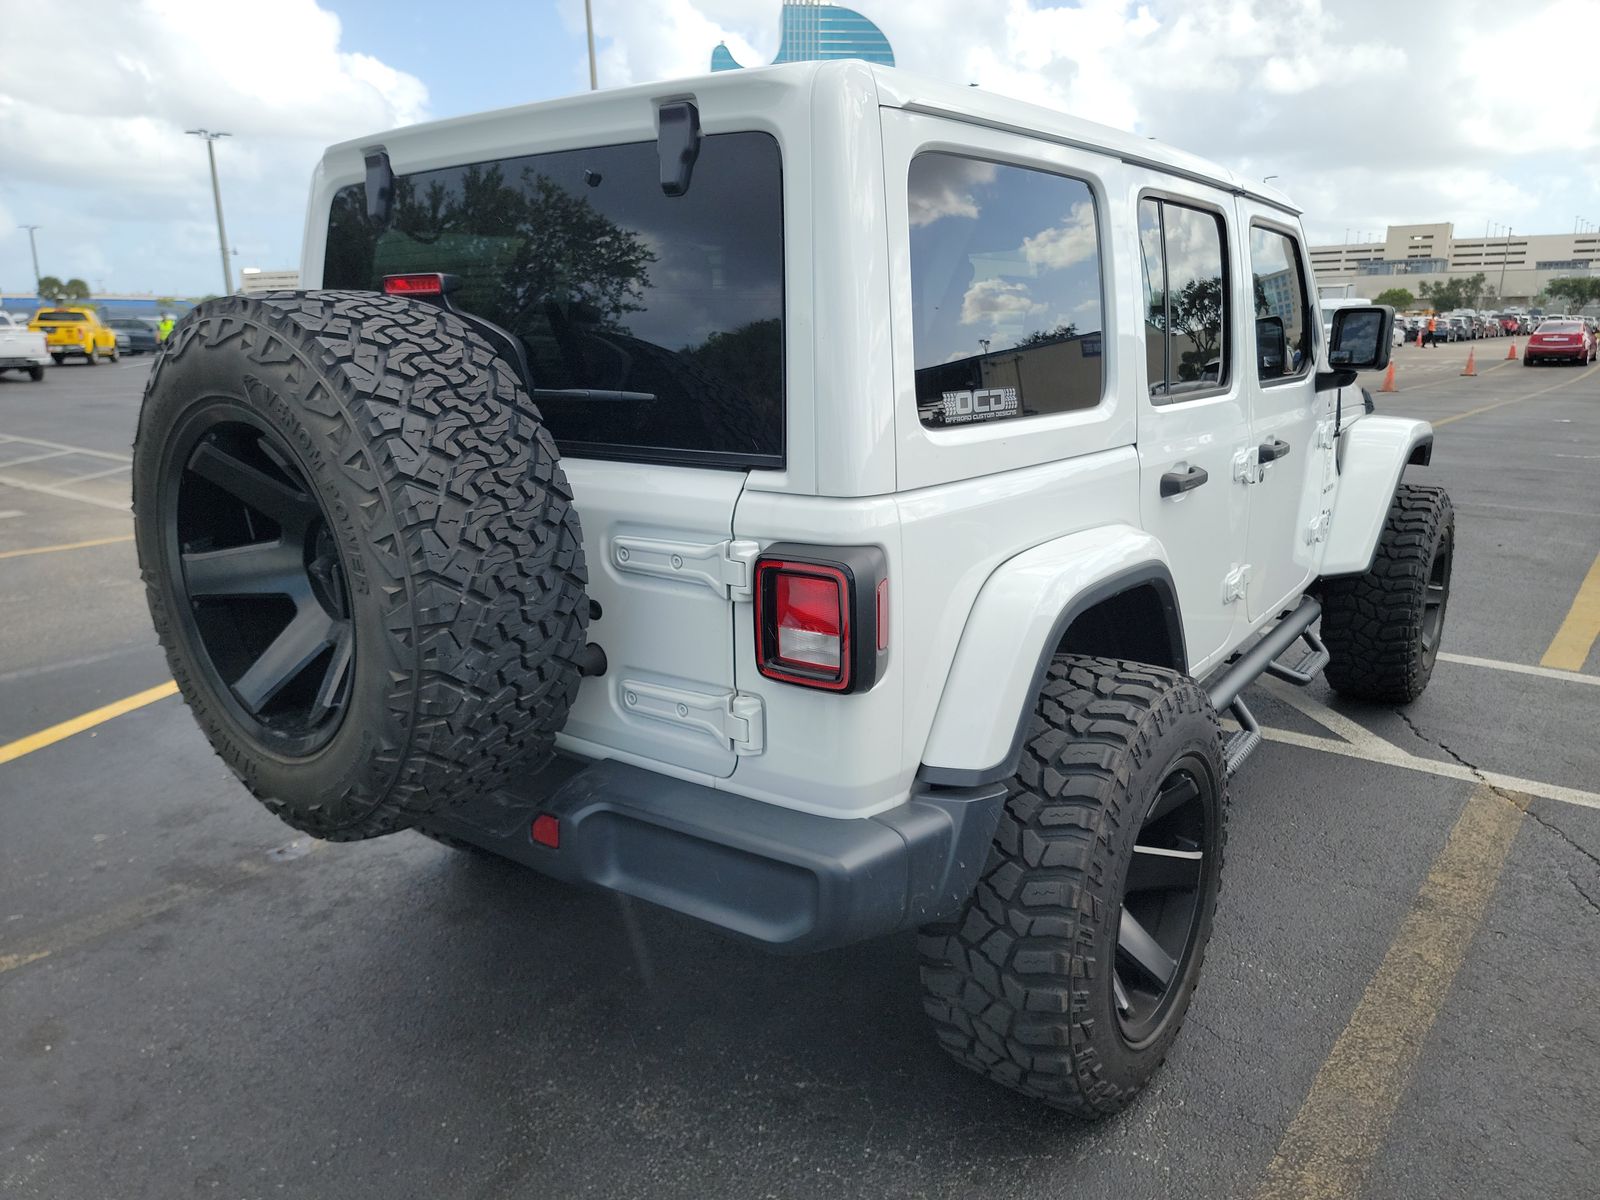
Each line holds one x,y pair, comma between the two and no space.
414,285
809,611
821,616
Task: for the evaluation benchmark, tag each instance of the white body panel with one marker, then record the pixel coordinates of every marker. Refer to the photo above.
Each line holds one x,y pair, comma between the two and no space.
990,531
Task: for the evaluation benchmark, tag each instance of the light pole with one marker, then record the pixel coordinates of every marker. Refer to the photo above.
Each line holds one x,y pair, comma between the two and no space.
588,24
35,251
1268,178
1503,258
210,139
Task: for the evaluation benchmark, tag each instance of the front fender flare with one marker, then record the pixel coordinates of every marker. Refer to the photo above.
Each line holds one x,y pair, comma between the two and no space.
1016,623
1373,456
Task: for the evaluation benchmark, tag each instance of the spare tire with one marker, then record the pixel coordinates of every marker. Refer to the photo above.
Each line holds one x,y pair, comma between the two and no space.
360,553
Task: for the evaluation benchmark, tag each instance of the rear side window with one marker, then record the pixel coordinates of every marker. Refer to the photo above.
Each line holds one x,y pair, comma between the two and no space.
1279,285
1006,306
653,324
1187,316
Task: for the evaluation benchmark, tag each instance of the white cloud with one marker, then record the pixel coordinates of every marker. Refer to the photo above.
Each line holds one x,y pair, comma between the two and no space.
1064,245
996,302
942,186
122,194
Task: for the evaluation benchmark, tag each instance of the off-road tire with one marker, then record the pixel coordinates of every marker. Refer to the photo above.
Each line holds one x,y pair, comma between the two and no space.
1018,985
1373,624
454,525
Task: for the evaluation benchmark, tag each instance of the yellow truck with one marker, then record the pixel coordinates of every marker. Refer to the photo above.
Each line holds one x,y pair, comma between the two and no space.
75,333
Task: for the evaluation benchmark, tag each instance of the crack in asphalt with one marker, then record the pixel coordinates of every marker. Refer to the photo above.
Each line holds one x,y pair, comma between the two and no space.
1510,798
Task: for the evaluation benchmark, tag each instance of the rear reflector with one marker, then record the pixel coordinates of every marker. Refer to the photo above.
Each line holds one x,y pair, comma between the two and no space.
414,285
547,831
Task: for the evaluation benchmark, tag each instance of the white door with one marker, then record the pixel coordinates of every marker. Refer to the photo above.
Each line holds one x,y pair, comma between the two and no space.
1194,424
1291,424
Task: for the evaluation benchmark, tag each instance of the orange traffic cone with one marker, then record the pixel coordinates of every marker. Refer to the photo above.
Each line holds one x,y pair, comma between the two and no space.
1472,363
1388,381
1511,351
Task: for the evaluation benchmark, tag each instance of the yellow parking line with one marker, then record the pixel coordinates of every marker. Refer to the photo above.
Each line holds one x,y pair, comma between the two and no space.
48,737
1336,1135
1579,378
1569,649
66,546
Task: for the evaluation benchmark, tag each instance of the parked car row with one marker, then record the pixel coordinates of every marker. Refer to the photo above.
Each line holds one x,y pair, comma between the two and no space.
62,332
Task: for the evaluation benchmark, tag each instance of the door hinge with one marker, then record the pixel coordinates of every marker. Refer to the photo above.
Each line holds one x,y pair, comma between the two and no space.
726,568
1235,583
736,719
1325,434
1318,529
1247,466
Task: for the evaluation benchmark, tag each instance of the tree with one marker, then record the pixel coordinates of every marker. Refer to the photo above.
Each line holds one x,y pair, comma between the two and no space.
1197,316
1040,337
1576,290
1457,293
1396,297
75,289
50,286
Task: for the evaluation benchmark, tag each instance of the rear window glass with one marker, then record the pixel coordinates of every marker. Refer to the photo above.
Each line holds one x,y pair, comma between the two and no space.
59,314
1005,291
660,318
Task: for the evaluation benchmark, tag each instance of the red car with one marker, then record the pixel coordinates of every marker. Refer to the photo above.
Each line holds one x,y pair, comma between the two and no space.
1560,341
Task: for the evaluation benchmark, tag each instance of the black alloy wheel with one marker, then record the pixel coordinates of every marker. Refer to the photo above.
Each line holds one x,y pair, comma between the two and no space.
1163,897
258,574
1437,598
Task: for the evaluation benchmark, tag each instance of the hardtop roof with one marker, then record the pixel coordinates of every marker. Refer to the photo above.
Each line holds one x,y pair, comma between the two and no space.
894,87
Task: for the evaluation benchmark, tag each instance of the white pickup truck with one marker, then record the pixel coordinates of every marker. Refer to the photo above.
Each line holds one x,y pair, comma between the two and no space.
21,349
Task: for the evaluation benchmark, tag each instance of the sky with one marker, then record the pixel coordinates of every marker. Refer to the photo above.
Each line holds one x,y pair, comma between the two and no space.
1369,112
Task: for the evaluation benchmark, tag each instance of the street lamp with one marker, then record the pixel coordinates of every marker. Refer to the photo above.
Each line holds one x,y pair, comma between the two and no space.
210,139
35,250
588,25
1268,178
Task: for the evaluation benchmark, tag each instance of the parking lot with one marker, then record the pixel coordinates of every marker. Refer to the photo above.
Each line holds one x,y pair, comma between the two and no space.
1401,999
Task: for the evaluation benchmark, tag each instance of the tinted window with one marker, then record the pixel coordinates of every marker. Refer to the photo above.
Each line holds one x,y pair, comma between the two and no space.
1279,285
1005,291
667,311
1186,299
58,314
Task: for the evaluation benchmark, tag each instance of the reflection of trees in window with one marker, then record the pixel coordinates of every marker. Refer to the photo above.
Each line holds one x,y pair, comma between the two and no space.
1197,316
1041,337
557,249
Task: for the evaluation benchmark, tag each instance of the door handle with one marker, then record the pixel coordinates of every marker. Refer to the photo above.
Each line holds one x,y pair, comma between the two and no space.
1272,451
1175,483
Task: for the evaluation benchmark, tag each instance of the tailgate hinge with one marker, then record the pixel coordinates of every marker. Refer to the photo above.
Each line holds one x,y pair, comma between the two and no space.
733,718
727,568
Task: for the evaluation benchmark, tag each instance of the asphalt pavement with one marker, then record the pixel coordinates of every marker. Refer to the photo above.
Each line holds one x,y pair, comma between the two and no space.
1401,998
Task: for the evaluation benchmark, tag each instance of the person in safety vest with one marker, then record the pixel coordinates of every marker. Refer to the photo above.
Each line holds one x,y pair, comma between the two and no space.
164,327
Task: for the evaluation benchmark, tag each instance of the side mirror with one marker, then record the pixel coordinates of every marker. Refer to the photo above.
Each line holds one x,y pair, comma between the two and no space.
1361,338
1272,347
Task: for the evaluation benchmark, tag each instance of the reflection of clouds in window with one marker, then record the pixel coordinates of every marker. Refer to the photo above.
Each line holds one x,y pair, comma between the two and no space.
996,302
1064,245
943,186
1194,250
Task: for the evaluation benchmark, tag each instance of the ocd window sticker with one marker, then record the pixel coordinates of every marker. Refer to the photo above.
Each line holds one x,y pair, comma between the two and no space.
980,404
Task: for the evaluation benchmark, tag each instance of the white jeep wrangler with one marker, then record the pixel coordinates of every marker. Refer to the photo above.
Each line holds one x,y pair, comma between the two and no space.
821,501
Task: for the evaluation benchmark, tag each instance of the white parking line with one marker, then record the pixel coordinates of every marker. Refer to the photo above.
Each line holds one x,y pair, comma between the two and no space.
17,462
1494,664
91,475
7,438
47,490
1361,743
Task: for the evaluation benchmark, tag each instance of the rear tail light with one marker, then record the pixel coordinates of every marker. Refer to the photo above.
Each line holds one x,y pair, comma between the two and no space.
822,615
426,285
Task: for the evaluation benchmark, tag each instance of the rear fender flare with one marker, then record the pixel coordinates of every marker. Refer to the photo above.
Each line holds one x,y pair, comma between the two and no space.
1018,620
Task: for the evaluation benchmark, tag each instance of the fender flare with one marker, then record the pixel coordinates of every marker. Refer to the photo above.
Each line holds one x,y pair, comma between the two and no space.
1018,619
1373,454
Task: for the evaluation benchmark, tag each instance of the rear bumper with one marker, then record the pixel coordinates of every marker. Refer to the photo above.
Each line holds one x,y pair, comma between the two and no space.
1577,353
791,881
20,362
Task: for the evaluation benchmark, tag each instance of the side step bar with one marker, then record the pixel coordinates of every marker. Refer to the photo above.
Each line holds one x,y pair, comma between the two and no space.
1259,660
